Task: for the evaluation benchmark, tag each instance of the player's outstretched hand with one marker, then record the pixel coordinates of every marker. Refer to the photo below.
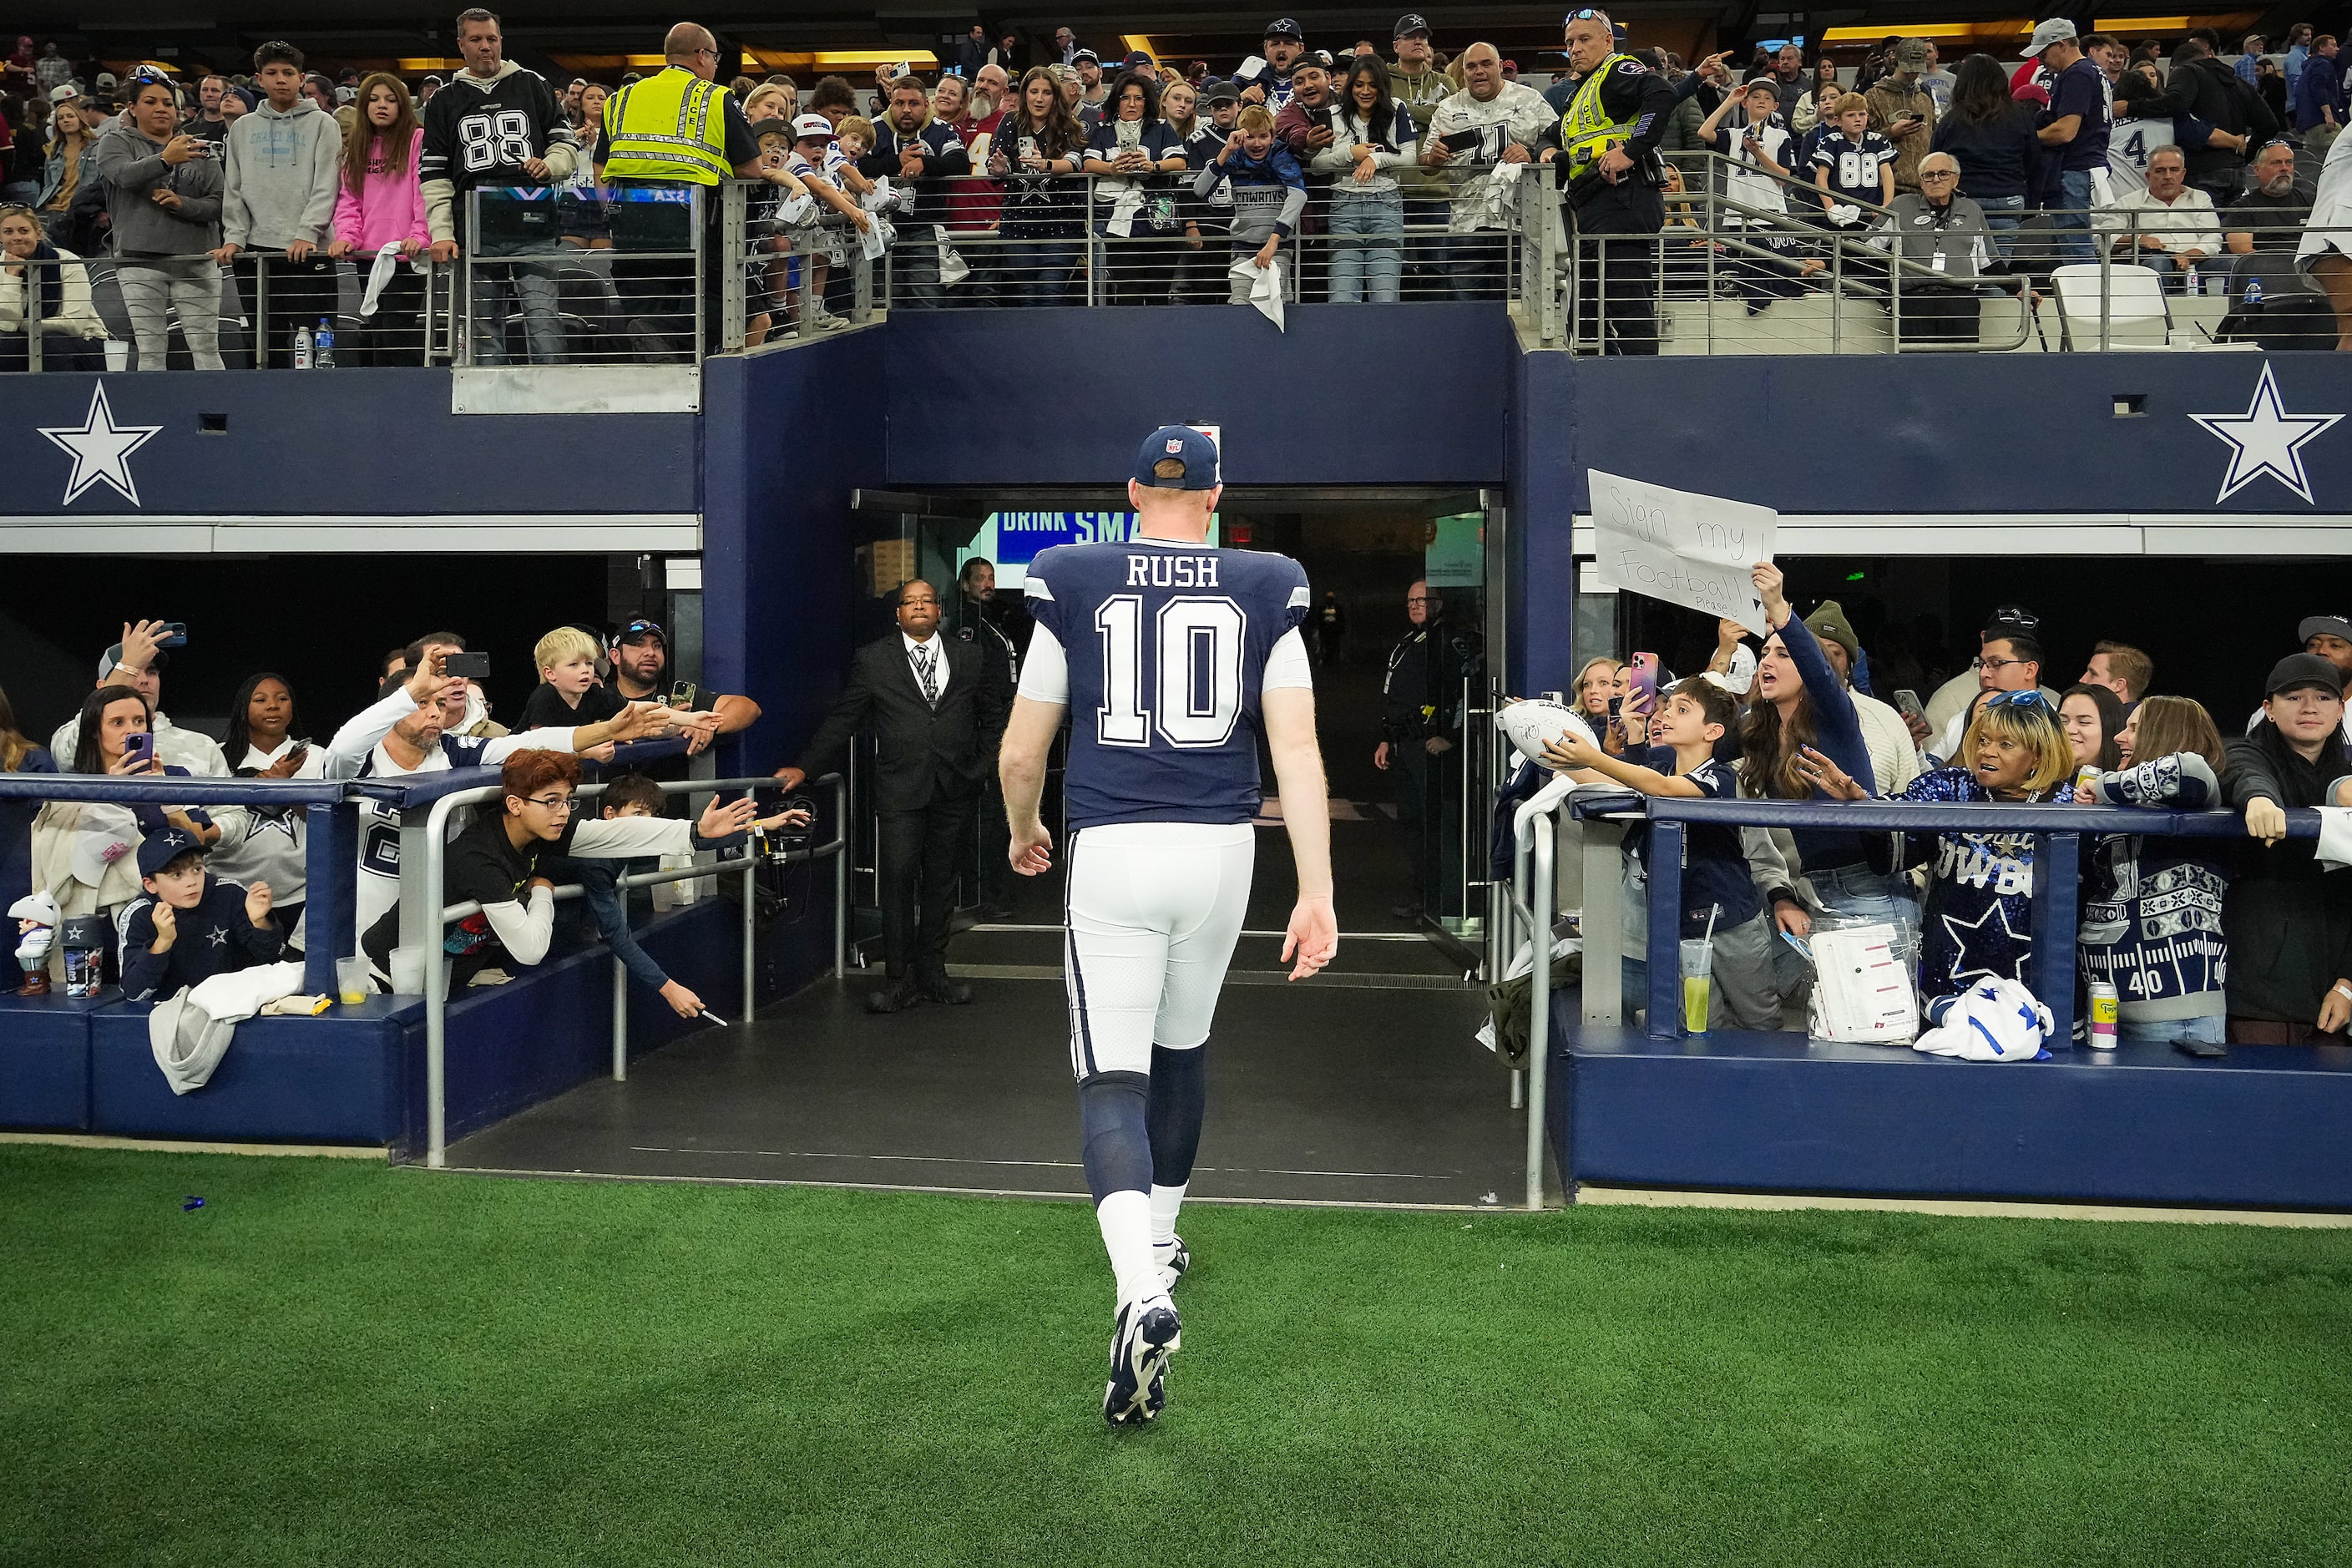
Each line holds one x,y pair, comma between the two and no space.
1313,936
1031,851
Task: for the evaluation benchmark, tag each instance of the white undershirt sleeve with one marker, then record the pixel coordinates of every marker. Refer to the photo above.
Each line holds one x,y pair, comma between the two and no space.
1286,666
524,930
1045,669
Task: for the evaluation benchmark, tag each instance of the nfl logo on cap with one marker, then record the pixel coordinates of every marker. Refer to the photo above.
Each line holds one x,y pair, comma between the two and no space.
1176,446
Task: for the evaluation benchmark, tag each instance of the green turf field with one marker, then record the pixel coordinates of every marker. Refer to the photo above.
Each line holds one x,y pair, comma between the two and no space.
333,1363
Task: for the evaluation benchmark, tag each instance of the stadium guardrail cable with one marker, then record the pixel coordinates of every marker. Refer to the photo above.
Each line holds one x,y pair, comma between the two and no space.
421,893
1596,821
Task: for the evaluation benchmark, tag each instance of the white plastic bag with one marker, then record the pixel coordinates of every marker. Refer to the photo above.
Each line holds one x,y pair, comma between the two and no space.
1861,986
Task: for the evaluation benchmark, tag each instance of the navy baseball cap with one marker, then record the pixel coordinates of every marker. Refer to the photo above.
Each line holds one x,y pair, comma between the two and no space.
160,849
1195,450
1410,23
1285,28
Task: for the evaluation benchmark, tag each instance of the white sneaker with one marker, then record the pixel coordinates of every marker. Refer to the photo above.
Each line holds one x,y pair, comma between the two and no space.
1146,1334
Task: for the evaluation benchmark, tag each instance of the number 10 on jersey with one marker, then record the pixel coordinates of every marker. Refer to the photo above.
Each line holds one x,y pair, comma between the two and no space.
1197,695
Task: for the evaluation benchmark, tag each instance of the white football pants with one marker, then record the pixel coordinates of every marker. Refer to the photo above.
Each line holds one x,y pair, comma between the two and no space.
1154,910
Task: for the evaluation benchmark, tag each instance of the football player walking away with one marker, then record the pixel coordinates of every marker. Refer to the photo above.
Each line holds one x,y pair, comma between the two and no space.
1171,656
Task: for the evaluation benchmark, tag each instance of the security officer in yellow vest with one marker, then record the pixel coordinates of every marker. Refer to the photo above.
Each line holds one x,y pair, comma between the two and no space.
1616,111
675,132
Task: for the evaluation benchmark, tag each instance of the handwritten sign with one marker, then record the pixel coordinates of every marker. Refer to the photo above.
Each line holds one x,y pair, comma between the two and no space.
1689,550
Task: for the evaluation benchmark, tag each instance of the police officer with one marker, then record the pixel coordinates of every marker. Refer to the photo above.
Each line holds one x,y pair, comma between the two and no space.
1617,109
1422,718
675,130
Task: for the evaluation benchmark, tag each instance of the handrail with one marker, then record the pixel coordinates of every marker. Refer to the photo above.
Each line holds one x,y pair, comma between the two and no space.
437,976
1539,1000
2056,825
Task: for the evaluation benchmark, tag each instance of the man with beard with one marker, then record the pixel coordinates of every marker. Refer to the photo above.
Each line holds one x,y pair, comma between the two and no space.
913,148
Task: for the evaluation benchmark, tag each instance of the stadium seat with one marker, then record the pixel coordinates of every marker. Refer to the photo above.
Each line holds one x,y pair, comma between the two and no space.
2136,311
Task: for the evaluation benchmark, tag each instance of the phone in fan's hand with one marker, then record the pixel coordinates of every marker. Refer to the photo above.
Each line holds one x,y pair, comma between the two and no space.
174,635
1906,702
681,695
1643,677
465,666
138,751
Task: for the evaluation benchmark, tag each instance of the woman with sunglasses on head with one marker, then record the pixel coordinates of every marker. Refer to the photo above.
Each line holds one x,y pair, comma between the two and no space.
45,284
1978,919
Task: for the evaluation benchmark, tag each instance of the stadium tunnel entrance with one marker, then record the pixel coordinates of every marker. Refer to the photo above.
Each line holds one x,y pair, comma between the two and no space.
1367,1085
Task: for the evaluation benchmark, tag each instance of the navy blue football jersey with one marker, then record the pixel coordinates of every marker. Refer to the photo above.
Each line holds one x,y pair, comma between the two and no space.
1167,646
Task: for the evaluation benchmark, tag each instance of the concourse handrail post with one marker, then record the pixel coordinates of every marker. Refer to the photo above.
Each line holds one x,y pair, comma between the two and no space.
465,328
1539,1002
696,239
735,245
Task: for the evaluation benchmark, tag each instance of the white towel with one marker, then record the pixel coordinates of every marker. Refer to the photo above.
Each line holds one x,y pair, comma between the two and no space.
190,1030
2336,836
1266,287
387,261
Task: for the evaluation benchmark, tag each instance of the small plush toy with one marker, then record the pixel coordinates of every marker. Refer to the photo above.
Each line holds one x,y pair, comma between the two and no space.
36,918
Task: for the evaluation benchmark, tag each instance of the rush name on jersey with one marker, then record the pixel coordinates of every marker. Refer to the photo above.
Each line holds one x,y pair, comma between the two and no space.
1162,650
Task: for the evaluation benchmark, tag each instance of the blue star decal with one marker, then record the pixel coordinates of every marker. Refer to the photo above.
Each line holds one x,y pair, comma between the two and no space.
1962,971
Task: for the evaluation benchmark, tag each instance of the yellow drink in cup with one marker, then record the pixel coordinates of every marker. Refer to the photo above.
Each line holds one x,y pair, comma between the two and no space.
1694,998
1698,968
352,983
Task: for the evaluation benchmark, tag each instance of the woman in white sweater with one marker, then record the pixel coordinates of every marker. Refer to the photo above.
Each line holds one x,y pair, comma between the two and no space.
1371,136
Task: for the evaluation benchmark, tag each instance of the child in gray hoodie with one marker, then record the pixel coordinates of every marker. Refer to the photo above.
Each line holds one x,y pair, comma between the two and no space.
285,170
164,202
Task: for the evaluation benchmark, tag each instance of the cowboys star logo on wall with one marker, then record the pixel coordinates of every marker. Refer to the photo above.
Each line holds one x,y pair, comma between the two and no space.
100,449
2265,439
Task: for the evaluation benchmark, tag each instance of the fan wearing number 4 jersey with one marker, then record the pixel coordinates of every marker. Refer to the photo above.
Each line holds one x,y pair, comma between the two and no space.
1170,657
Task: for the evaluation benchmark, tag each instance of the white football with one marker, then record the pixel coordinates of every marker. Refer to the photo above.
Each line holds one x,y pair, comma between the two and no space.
1530,723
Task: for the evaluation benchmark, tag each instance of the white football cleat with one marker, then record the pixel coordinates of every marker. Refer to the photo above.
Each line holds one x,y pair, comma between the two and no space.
1172,1259
1146,1334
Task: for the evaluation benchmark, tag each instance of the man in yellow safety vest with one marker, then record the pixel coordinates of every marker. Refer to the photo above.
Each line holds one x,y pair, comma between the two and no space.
1608,143
667,138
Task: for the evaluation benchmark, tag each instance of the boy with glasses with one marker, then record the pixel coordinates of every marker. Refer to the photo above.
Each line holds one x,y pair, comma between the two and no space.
497,862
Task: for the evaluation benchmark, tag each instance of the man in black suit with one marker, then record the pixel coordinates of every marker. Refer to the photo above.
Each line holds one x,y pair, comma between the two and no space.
938,706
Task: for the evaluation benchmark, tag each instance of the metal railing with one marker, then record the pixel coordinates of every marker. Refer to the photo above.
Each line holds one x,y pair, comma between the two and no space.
588,274
427,880
331,838
1597,821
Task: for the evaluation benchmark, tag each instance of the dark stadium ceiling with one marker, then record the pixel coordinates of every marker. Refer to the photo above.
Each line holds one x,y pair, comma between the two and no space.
612,35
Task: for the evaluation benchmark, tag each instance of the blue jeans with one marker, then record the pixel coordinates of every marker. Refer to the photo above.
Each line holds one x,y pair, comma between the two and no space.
2211,1031
1857,894
2072,220
1367,248
2002,215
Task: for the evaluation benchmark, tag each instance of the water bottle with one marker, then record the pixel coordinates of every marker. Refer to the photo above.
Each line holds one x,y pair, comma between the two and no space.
323,346
2253,292
302,348
84,940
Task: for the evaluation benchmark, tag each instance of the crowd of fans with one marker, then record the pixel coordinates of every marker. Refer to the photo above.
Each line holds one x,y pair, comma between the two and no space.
183,892
1019,175
2206,940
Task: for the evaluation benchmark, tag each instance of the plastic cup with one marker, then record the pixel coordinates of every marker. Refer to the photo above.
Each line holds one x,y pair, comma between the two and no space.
352,983
1698,971
408,970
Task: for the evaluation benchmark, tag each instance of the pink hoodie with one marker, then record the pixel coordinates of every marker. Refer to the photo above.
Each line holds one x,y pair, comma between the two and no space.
388,208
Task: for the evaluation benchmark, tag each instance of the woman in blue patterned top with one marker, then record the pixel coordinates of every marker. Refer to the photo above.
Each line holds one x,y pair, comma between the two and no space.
1979,920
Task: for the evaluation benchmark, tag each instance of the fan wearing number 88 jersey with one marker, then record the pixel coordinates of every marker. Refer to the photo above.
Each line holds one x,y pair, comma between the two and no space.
492,120
1170,659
